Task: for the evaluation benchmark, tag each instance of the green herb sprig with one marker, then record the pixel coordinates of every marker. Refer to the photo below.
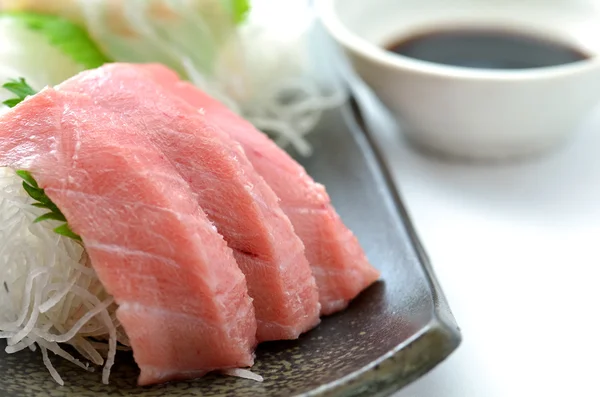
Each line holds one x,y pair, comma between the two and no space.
241,9
43,201
22,90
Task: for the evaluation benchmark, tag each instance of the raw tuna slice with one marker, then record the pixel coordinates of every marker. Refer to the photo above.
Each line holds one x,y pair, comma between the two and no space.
182,299
338,262
234,196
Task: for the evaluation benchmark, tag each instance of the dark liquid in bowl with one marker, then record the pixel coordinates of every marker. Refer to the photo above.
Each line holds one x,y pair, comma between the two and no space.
487,49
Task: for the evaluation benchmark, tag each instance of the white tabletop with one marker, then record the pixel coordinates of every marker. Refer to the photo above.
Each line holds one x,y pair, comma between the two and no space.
517,251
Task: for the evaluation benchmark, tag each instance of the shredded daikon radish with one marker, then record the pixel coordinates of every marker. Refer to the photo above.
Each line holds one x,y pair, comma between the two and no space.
87,350
59,295
51,295
56,349
104,346
17,347
242,373
50,367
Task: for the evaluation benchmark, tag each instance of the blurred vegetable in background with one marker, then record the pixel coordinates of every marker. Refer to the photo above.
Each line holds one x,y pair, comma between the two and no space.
43,49
254,57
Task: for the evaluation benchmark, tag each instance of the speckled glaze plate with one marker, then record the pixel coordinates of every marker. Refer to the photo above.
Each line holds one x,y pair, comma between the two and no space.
393,333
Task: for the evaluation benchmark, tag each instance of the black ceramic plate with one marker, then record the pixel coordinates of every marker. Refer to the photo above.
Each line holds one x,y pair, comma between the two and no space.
393,333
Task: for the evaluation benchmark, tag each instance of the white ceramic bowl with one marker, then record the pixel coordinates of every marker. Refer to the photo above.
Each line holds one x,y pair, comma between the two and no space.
474,113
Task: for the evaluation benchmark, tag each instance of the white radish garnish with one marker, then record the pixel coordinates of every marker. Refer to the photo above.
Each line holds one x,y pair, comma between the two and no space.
49,294
242,373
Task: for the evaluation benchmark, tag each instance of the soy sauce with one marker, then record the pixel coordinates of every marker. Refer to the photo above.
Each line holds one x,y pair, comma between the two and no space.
487,49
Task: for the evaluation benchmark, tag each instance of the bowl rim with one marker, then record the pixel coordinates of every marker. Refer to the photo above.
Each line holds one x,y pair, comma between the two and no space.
352,42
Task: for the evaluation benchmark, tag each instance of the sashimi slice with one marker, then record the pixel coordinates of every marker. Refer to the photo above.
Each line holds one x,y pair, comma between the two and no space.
338,262
183,301
234,196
